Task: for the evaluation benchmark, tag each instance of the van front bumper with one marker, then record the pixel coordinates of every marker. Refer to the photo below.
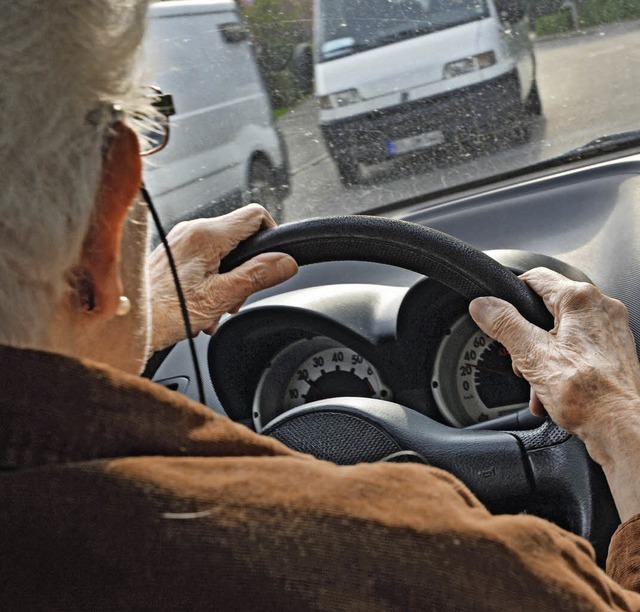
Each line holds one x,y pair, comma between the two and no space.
457,116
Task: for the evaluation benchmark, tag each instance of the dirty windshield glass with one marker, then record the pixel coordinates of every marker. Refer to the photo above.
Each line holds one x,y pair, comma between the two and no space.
349,26
330,107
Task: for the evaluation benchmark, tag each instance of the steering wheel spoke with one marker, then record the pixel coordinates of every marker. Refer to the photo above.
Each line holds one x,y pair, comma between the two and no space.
491,463
570,488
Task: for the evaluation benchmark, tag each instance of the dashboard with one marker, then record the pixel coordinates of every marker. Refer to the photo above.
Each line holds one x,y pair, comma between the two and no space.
415,375
362,329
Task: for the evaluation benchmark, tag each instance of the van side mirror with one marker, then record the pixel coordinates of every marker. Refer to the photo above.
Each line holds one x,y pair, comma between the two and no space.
235,32
512,11
302,67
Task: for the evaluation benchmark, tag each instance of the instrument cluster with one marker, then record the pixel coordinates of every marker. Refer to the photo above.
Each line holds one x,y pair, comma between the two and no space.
417,347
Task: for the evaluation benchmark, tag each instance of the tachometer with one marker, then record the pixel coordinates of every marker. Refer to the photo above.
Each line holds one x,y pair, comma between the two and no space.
311,370
473,380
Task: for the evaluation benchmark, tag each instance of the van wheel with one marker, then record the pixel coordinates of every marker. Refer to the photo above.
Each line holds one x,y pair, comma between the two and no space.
263,189
349,171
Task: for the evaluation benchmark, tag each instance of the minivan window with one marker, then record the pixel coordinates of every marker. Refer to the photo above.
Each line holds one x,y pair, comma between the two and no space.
351,26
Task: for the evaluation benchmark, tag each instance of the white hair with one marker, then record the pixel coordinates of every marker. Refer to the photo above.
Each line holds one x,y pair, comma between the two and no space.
60,61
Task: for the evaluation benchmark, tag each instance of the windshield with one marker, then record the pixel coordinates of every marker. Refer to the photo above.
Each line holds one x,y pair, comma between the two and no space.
350,26
370,106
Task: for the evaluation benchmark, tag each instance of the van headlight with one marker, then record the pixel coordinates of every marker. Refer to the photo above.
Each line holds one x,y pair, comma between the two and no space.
341,98
469,64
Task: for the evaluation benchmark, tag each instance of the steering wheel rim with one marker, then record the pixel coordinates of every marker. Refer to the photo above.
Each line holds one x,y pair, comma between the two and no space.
414,247
530,458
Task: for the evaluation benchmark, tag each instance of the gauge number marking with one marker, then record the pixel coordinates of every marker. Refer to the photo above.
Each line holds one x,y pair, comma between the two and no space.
334,372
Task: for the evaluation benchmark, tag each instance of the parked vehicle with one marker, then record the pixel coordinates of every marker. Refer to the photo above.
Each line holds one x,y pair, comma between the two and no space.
395,77
225,150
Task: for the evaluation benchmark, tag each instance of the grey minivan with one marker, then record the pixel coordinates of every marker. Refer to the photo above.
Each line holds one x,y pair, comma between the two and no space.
225,150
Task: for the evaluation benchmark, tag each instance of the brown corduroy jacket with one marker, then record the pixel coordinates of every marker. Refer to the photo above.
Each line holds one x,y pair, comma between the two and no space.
119,494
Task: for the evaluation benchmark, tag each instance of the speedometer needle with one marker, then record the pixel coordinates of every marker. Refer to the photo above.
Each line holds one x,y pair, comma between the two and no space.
484,369
315,387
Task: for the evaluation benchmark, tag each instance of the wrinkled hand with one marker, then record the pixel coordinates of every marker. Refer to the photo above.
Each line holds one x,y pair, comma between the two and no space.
585,371
198,247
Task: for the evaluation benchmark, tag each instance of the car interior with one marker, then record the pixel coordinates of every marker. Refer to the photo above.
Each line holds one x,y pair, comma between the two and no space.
369,353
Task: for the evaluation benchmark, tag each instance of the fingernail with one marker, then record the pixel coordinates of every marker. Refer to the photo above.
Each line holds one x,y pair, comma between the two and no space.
286,265
481,308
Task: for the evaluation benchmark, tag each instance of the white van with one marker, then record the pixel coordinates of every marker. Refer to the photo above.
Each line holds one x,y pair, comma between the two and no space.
224,149
389,74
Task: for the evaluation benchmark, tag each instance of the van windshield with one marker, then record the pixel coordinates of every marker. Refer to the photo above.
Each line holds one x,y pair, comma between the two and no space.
350,26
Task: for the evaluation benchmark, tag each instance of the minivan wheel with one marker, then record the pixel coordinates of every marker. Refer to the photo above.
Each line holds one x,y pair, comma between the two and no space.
263,189
349,170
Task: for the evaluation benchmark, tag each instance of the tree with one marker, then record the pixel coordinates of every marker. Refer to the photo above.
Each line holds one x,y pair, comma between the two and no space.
277,26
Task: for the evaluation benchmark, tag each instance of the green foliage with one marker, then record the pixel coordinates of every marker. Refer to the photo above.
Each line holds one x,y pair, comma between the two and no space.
590,13
596,12
280,112
554,24
282,88
277,26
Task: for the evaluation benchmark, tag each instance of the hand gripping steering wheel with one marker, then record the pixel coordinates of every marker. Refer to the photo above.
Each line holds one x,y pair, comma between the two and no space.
546,465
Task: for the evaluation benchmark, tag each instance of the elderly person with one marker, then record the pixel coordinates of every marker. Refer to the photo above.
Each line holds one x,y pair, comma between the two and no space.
119,494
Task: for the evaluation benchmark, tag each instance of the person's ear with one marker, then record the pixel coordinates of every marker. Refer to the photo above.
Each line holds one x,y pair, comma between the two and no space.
98,281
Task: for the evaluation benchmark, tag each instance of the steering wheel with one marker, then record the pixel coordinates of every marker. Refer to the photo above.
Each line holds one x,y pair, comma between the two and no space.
546,465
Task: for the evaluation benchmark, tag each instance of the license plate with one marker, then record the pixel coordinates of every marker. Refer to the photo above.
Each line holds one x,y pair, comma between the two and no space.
413,143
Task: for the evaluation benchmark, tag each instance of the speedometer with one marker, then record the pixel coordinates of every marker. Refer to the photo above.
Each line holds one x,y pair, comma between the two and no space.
311,370
473,379
333,372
